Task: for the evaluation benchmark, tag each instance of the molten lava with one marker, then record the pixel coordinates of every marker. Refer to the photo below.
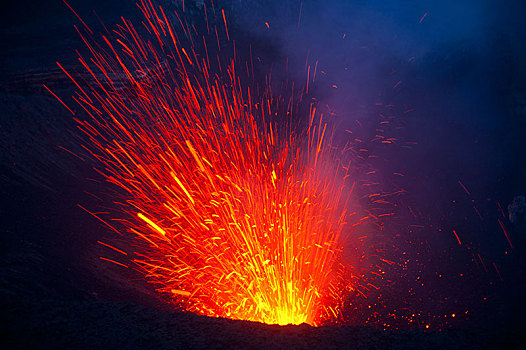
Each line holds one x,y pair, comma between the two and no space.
232,212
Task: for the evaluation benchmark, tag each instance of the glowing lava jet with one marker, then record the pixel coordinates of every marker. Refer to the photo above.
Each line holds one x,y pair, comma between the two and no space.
231,212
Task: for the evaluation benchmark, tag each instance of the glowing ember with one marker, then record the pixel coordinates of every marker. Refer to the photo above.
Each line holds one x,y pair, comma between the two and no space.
233,213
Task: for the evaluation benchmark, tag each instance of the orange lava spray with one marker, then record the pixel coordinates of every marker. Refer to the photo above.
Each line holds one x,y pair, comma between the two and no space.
234,214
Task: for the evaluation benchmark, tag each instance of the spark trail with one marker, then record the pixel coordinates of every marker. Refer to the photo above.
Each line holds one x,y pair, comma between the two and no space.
233,211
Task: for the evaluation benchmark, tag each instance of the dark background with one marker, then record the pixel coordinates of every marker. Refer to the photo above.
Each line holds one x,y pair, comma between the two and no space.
459,115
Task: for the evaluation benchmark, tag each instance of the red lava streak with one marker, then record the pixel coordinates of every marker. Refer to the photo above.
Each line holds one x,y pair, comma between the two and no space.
232,213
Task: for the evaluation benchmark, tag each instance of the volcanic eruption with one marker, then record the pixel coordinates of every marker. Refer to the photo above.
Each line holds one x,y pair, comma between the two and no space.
232,206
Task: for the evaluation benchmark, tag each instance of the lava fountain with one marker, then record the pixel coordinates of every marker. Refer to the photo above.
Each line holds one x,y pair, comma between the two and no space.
232,209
